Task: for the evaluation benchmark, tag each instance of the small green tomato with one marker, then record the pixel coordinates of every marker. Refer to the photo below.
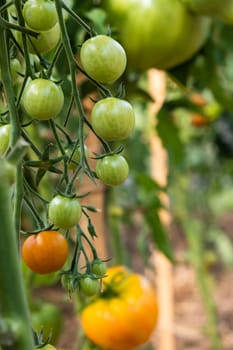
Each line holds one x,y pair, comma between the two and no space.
64,212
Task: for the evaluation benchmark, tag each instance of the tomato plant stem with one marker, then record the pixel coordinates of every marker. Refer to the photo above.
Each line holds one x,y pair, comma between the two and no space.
14,334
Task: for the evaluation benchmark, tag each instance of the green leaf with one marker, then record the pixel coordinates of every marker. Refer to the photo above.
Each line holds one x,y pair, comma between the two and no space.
169,134
158,234
147,182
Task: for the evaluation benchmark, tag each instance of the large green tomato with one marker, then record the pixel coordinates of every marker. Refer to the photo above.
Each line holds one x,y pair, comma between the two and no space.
112,119
156,33
214,8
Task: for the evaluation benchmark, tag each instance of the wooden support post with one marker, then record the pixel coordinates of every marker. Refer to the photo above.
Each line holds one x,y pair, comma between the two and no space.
165,337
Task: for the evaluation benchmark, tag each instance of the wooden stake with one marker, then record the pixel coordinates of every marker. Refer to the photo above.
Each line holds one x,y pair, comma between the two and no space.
164,283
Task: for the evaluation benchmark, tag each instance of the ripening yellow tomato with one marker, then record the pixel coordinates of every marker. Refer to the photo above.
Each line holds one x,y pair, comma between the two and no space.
125,314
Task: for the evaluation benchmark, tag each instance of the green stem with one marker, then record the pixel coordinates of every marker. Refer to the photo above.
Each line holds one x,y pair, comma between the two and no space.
117,248
15,324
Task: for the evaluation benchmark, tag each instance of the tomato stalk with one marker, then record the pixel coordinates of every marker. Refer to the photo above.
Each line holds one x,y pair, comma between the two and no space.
14,120
15,330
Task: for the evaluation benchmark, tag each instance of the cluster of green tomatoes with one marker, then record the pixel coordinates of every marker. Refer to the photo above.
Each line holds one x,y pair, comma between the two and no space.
103,61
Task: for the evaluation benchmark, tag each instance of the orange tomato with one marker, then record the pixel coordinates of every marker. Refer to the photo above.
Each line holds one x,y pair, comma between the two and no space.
199,120
45,252
126,313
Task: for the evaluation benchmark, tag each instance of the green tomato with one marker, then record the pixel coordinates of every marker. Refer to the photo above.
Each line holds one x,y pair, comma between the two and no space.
76,156
40,15
67,282
48,317
89,286
98,267
42,99
103,58
44,42
5,131
64,212
112,170
222,10
156,33
112,119
15,68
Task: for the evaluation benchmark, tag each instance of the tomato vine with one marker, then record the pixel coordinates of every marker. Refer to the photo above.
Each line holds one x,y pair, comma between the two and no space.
44,114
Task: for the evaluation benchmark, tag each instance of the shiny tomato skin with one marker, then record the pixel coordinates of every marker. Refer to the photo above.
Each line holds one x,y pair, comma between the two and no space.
113,119
45,252
156,33
103,59
42,99
126,319
112,170
40,15
64,212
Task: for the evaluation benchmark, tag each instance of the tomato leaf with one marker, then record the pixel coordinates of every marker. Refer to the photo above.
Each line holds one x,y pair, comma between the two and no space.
169,134
158,234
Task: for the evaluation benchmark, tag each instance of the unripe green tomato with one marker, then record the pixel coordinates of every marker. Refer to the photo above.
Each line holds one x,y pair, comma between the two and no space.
42,99
103,59
113,119
112,170
76,156
89,286
67,282
4,138
15,68
40,15
98,267
64,212
44,42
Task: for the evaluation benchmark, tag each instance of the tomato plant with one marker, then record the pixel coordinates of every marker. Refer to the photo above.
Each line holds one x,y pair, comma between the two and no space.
64,212
40,15
112,169
45,251
103,58
143,31
112,119
128,304
42,99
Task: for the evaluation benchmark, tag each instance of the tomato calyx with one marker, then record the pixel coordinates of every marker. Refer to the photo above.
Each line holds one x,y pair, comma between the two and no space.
37,230
112,288
118,150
